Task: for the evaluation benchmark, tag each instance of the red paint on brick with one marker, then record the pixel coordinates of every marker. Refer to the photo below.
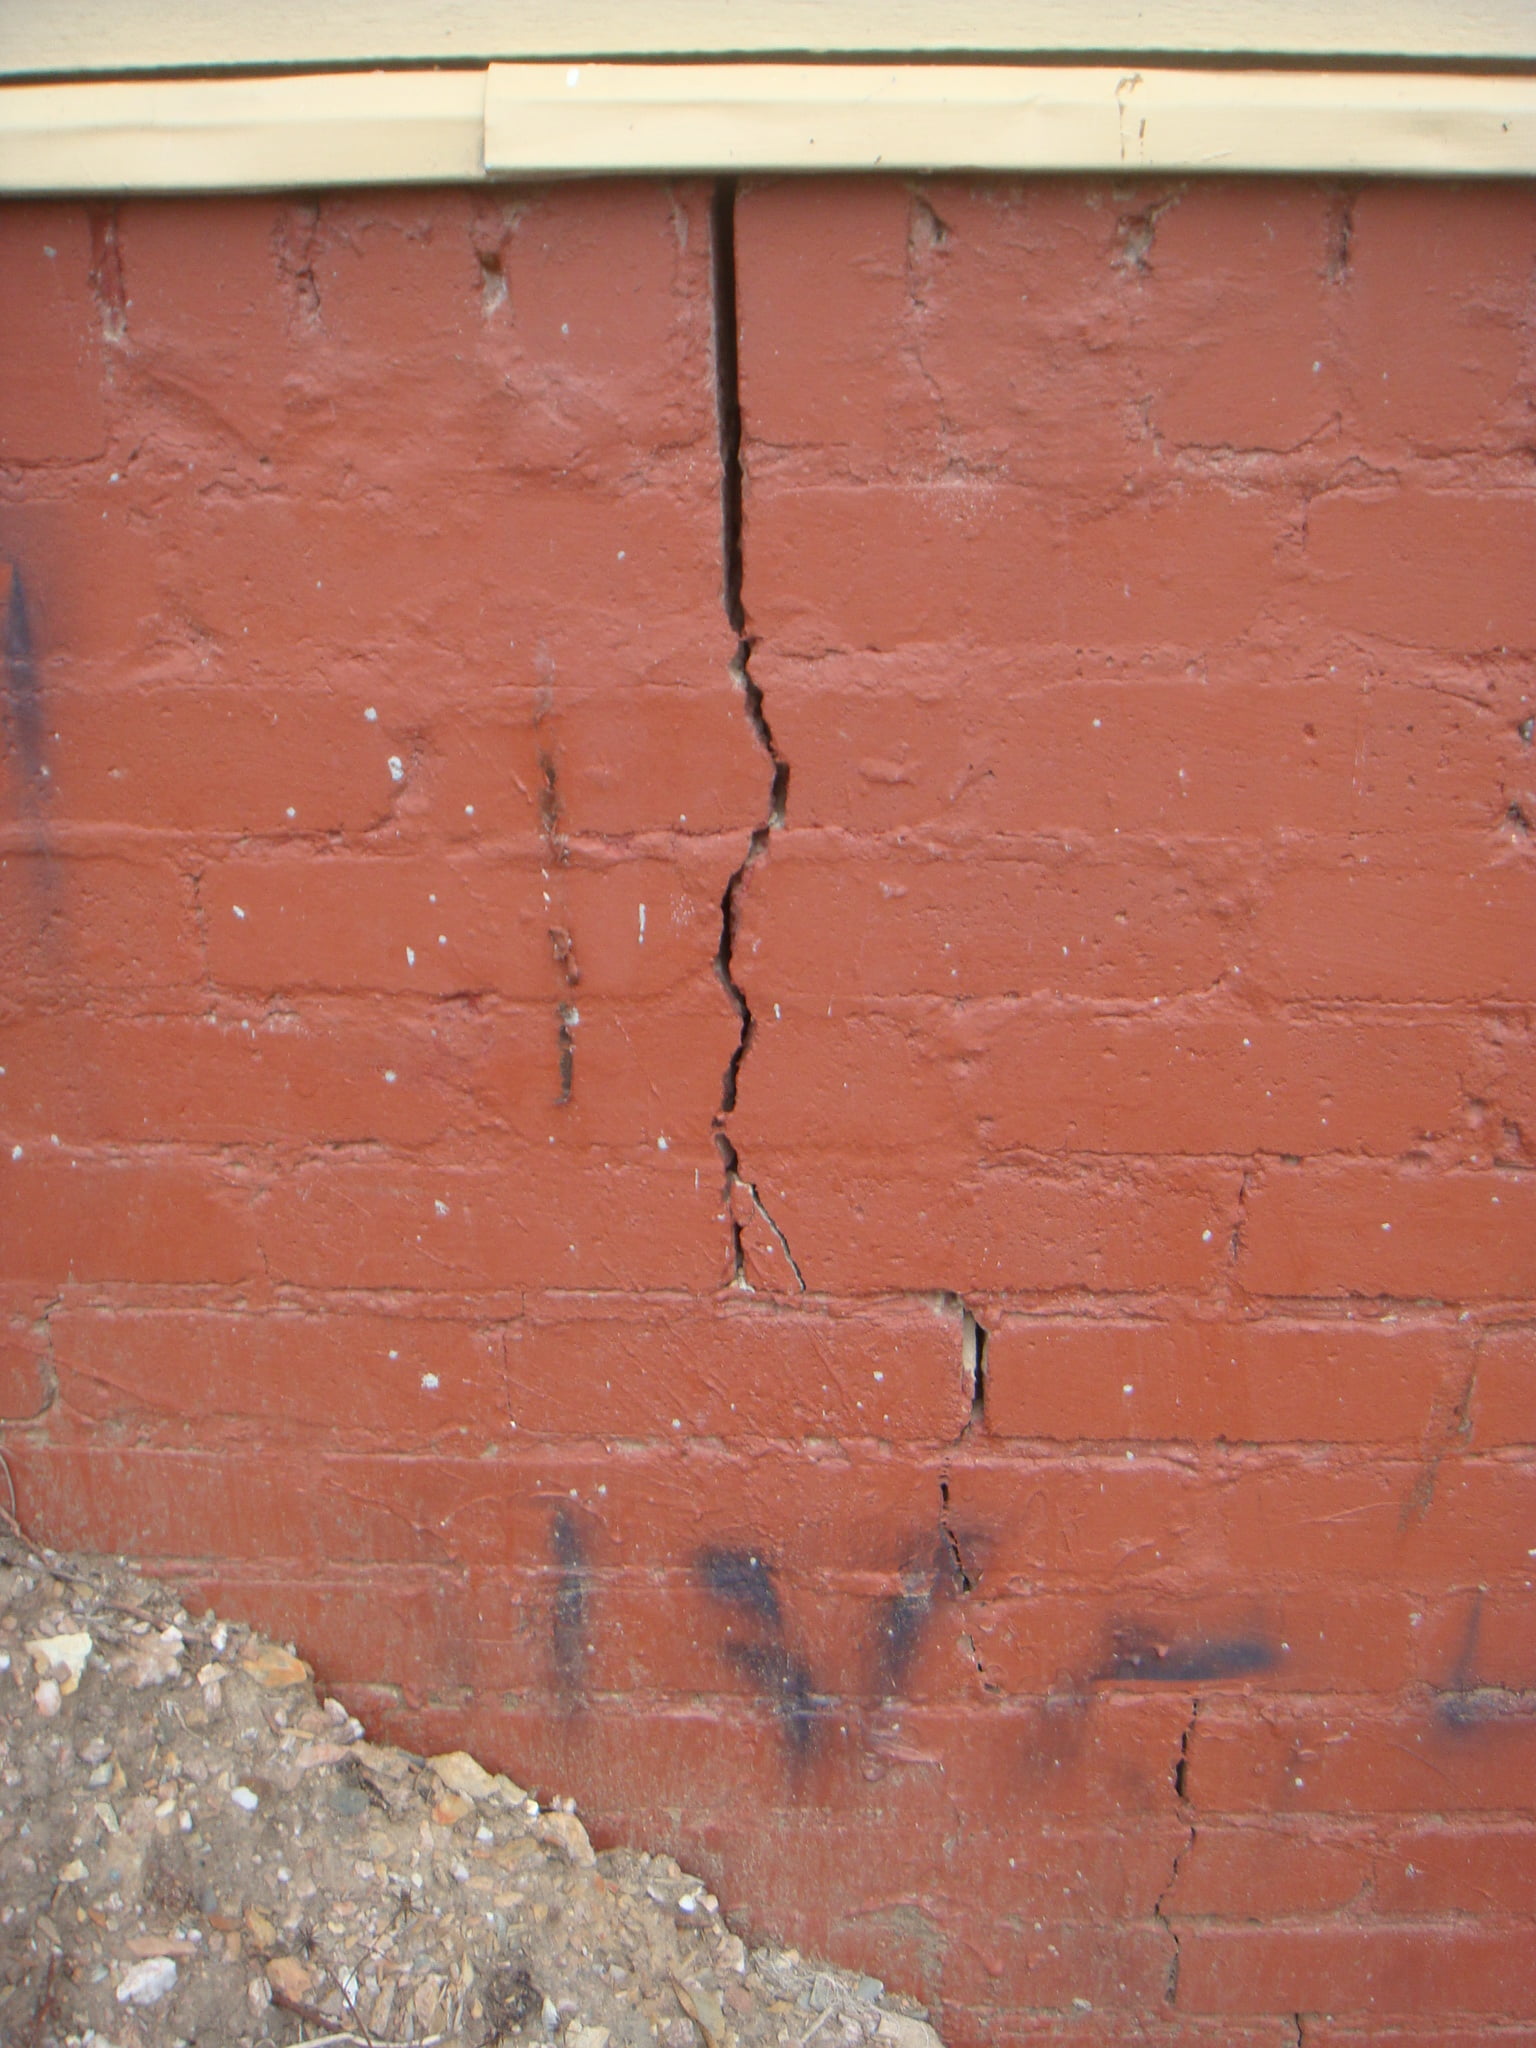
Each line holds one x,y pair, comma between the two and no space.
1385,1969
51,364
439,1060
1331,1382
1377,1230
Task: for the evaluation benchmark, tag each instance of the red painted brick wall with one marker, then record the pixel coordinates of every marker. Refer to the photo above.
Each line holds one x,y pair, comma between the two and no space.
865,1189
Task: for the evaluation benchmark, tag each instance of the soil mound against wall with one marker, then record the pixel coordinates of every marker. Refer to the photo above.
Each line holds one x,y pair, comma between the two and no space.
196,1846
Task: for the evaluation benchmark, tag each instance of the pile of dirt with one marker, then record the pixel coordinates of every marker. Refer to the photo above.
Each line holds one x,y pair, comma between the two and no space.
195,1848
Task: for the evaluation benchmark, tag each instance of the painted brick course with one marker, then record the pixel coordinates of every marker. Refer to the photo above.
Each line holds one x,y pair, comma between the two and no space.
824,1133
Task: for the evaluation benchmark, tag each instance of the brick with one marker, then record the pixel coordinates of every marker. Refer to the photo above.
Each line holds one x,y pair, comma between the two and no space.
1378,1230
90,923
1279,1529
1245,352
396,1379
1481,1639
65,1219
230,761
26,1381
1082,1870
894,920
535,1219
573,330
357,580
1424,568
504,1631
231,1502
285,1076
1029,329
941,1224
1503,1406
1376,926
649,1073
662,759
1001,1076
1106,1521
842,242
475,922
1334,1382
1079,2029
88,568
406,925
642,1641
219,348
1432,313
1092,319
568,327
1378,1969
456,1075
1432,1522
1265,1872
737,1369
1125,1967
640,1509
620,954
1506,1108
355,1626
1191,1635
1056,1754
1329,2032
1356,1758
838,566
652,757
995,741
248,581
51,366
1439,1867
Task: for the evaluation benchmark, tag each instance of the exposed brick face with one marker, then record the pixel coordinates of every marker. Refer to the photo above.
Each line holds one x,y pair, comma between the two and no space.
950,1332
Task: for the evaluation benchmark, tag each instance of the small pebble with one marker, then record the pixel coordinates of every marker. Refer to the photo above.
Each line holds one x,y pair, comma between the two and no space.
147,1982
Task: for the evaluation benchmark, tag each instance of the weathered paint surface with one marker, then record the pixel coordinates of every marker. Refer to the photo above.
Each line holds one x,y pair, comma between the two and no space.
784,1064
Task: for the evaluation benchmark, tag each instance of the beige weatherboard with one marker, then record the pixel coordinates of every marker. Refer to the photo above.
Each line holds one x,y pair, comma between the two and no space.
199,95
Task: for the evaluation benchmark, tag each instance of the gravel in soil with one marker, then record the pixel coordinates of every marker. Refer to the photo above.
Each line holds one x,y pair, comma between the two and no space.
195,1847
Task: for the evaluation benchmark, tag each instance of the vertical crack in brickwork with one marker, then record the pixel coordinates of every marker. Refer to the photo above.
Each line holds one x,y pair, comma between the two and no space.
1181,1794
562,945
741,1198
964,1571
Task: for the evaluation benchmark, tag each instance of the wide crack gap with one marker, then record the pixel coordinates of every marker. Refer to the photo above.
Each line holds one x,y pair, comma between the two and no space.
728,416
963,1571
973,1366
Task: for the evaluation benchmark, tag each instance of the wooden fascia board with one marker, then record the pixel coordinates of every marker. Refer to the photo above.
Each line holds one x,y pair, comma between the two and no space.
539,120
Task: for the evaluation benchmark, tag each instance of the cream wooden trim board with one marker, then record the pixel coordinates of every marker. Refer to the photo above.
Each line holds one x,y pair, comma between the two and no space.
62,38
242,135
542,120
